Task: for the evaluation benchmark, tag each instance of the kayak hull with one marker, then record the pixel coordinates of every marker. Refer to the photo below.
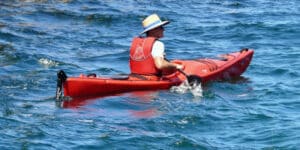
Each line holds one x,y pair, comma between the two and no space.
229,66
85,86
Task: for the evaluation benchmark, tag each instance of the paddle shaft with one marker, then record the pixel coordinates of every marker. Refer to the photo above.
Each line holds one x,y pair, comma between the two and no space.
191,78
181,71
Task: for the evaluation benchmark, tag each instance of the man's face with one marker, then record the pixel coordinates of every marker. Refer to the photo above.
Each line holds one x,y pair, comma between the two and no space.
157,32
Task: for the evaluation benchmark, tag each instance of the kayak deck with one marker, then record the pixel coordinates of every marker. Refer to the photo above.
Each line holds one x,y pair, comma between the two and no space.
232,65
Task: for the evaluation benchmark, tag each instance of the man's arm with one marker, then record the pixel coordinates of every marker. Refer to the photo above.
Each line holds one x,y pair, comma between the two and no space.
162,64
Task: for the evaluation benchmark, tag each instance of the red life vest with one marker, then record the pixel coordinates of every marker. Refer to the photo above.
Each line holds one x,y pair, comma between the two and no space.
141,60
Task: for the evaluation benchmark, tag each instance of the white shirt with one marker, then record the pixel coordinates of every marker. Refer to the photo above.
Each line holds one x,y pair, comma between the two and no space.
158,49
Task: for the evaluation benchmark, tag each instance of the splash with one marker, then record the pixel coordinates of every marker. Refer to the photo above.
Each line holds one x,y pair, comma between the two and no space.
184,87
47,62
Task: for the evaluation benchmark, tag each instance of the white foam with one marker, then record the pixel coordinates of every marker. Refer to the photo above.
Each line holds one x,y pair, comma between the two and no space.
47,62
86,120
184,87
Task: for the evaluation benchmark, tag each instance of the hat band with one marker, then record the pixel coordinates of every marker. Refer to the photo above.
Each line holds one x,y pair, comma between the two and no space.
152,24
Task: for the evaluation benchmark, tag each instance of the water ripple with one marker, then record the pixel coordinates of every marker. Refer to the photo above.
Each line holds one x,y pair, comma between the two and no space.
40,37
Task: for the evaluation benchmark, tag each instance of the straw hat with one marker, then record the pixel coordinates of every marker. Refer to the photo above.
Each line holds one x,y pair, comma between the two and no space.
152,22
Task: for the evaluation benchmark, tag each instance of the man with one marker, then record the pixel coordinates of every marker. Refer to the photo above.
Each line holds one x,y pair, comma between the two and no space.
147,53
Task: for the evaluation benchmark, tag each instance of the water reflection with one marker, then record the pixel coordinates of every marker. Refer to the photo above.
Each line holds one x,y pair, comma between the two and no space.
139,104
238,80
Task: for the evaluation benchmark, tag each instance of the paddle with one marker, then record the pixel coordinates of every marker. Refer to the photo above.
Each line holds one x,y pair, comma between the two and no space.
193,80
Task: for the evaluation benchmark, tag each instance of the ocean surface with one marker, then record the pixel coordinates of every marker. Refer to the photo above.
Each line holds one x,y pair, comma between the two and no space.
261,110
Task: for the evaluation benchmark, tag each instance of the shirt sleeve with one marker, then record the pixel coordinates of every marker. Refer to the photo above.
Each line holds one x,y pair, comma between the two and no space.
158,49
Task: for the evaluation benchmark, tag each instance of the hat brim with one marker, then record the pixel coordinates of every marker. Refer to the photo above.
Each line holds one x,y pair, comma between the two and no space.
163,23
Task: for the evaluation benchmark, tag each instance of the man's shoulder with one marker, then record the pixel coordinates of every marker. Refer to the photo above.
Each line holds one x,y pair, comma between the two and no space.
159,43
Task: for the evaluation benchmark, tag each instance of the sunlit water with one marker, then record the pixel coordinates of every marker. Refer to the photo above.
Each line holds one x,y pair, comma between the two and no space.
260,110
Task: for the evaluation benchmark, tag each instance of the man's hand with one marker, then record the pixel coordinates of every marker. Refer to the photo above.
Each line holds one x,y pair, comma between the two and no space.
179,67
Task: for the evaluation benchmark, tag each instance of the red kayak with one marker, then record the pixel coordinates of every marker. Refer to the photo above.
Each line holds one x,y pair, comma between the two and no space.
229,66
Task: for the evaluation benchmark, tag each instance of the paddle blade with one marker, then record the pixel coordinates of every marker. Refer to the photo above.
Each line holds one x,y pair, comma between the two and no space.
194,80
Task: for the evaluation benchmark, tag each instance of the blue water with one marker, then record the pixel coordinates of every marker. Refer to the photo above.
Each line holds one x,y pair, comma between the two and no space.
258,111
